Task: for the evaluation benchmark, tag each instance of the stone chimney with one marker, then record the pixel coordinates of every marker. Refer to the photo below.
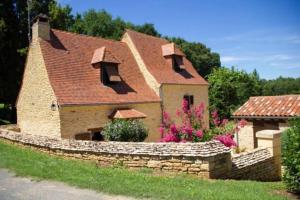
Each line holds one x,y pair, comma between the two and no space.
41,27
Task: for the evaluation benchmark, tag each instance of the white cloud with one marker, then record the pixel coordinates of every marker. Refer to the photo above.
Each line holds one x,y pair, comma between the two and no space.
230,59
226,59
262,58
258,36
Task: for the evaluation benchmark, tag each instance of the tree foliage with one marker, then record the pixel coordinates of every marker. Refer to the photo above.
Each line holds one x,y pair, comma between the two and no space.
230,88
102,24
291,157
281,86
14,42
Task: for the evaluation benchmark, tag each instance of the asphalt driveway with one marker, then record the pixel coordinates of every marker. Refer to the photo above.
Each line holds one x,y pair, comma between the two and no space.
19,188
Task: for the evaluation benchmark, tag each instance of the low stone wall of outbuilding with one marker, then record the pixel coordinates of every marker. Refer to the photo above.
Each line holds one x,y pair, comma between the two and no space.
255,165
207,160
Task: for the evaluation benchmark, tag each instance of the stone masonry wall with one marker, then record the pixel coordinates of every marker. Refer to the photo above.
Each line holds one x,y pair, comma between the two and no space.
78,119
256,165
34,113
172,95
206,160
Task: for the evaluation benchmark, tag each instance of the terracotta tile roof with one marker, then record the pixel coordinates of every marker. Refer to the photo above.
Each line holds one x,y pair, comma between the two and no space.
270,106
150,49
74,80
127,114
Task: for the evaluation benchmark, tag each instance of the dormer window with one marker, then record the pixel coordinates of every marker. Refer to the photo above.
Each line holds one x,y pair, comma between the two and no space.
109,73
177,63
108,64
173,54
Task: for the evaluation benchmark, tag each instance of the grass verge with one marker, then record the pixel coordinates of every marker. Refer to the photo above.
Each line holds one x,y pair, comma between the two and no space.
141,184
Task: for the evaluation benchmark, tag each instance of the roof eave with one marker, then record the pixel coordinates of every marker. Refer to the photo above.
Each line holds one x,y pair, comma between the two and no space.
262,117
109,103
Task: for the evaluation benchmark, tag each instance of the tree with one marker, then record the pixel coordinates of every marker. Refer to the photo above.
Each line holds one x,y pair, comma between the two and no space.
101,23
60,17
147,28
230,88
14,45
281,86
201,57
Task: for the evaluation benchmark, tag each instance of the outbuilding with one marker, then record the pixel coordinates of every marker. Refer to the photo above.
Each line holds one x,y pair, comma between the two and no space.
265,113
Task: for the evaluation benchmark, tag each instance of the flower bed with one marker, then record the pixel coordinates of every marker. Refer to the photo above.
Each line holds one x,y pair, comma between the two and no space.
192,128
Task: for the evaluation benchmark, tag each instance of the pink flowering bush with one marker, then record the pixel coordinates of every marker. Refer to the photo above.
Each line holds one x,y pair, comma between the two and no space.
192,128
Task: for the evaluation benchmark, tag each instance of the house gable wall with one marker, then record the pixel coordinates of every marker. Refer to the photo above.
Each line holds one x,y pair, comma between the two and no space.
172,96
34,113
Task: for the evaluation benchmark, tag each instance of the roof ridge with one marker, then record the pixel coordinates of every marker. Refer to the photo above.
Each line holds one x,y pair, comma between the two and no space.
155,37
89,36
285,95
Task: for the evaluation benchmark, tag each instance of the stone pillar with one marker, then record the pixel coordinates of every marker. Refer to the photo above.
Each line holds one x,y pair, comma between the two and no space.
220,166
245,137
270,139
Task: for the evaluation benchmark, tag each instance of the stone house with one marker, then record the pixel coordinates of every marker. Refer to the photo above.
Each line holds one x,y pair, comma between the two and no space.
74,84
265,113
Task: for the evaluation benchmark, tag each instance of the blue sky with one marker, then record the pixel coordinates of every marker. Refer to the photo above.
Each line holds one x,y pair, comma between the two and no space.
261,34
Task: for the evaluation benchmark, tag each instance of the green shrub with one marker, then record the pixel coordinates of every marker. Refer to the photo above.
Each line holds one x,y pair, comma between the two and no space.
125,131
291,156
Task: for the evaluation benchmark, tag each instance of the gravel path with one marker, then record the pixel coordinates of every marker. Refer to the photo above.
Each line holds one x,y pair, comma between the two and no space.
19,188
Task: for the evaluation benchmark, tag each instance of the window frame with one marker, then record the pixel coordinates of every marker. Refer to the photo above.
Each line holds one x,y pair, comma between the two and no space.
177,65
189,99
104,77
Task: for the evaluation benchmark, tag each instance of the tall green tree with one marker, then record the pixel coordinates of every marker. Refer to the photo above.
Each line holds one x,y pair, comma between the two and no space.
60,17
14,45
102,24
230,88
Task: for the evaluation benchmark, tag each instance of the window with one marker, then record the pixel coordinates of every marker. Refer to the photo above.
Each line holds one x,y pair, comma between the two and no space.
110,74
189,99
177,63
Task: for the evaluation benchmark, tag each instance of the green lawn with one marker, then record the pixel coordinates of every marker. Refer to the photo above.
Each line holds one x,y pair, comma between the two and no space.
27,162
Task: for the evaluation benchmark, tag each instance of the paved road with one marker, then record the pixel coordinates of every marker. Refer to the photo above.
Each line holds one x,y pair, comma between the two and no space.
18,188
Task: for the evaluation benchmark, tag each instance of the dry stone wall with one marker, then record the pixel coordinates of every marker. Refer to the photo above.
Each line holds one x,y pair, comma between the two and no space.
255,165
207,160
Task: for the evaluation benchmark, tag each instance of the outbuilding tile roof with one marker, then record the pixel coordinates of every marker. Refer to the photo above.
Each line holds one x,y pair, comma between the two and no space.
270,107
127,114
74,80
150,49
